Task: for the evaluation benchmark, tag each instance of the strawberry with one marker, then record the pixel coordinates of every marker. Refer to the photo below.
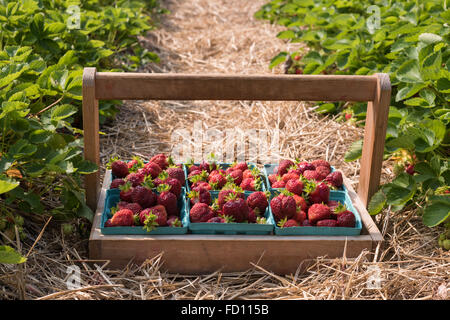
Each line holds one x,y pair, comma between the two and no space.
333,205
135,178
123,217
201,184
226,191
290,176
153,217
326,223
108,223
237,176
335,179
116,183
199,194
144,195
152,169
348,116
273,178
306,223
283,206
279,184
346,219
283,166
201,212
173,221
318,212
216,220
240,166
160,160
167,199
208,167
252,216
320,194
247,174
125,192
195,172
135,207
303,166
217,181
251,184
285,223
193,168
300,216
236,208
320,162
295,186
410,169
135,164
175,186
323,172
311,175
258,200
300,202
119,169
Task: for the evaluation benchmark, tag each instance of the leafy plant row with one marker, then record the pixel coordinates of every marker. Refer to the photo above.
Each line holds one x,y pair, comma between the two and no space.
407,39
42,57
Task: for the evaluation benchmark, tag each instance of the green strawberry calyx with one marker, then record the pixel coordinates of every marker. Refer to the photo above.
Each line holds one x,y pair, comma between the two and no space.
150,222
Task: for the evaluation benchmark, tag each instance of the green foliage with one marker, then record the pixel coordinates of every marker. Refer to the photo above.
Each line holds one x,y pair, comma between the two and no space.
41,63
411,44
9,255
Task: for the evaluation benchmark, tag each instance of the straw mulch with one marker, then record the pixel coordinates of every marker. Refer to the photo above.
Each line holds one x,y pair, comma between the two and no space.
201,36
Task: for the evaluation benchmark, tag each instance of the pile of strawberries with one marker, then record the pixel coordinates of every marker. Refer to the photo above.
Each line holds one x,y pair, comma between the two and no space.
230,206
211,176
292,210
293,175
140,204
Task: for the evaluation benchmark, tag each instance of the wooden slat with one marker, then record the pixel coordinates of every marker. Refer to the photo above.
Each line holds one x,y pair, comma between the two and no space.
166,86
199,254
91,135
374,138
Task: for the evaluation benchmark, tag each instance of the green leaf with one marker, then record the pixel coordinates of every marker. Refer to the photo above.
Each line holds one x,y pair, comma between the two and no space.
279,58
7,184
377,203
354,152
409,72
40,136
11,256
443,85
63,111
436,213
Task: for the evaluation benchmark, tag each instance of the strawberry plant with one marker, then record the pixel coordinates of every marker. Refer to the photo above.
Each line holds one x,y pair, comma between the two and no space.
41,64
411,44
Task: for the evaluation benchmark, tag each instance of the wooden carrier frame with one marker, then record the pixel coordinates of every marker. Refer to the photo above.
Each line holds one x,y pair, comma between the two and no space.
198,254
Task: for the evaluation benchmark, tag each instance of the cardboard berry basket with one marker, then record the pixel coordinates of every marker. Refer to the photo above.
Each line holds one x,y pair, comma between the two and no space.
228,228
203,254
323,231
113,198
269,169
224,165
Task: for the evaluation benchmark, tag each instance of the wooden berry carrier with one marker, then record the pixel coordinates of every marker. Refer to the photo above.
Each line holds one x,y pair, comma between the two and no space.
197,254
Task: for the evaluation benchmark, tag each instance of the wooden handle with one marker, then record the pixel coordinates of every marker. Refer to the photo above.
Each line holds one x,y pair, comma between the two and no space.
165,86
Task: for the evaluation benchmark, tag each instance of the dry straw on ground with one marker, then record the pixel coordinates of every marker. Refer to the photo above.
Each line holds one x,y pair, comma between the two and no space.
201,36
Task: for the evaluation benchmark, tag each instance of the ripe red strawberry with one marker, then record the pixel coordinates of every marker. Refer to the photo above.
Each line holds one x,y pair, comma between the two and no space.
135,178
346,219
116,183
195,172
300,202
311,175
287,223
295,186
125,192
283,166
167,199
216,220
217,181
208,167
252,216
303,166
193,168
318,212
201,184
236,208
279,184
248,174
326,223
175,186
274,178
258,200
251,184
290,176
335,179
348,116
201,212
300,216
320,162
160,160
153,217
123,217
283,206
135,164
323,172
410,169
224,193
237,176
152,169
320,194
199,194
333,205
174,221
241,166
119,169
135,207
306,223
144,196
108,223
